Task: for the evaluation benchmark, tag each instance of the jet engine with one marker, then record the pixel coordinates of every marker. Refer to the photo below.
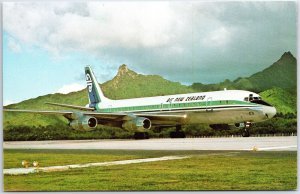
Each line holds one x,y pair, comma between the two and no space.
84,123
137,124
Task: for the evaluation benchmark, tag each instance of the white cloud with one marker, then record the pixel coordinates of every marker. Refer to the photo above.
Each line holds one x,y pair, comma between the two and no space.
99,27
160,35
90,26
71,88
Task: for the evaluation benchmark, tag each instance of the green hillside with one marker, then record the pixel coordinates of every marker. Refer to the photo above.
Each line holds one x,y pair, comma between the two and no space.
199,87
284,101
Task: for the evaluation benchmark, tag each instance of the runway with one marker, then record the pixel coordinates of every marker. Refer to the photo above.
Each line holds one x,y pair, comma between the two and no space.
286,143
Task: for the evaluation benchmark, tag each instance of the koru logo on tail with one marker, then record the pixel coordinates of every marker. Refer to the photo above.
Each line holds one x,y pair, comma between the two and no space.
89,82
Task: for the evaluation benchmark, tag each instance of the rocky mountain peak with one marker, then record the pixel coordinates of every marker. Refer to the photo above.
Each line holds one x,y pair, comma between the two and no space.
287,56
123,69
123,73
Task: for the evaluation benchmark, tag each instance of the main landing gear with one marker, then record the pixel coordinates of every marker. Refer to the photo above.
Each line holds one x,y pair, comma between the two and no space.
245,132
178,133
141,135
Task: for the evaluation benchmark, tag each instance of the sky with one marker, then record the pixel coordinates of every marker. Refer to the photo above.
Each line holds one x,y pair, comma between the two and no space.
47,44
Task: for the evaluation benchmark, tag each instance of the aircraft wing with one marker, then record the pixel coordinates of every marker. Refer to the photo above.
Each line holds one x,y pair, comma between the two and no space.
157,118
71,106
106,116
55,112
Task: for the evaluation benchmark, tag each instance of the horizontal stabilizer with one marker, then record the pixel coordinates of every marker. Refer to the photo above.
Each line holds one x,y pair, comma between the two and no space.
71,106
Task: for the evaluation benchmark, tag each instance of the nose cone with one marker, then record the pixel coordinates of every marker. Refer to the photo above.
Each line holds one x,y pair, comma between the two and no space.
270,112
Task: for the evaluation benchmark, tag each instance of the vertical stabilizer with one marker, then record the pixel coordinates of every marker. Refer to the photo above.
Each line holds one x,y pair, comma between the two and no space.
94,91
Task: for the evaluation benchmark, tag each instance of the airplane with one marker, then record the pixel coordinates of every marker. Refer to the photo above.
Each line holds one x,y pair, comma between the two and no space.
219,109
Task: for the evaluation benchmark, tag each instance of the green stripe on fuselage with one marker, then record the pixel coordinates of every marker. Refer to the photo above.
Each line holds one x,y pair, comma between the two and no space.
204,104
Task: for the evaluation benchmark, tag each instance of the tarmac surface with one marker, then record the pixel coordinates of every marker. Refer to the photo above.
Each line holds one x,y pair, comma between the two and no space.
282,143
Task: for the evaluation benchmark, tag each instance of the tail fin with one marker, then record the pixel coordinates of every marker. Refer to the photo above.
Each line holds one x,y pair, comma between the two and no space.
94,90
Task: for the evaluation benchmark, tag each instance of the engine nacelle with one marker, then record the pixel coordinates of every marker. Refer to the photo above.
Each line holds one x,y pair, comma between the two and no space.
84,123
137,124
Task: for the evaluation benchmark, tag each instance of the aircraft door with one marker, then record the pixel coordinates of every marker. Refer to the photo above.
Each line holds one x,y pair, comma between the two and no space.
209,104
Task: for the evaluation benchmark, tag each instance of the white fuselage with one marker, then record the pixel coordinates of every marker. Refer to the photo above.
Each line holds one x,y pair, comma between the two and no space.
228,107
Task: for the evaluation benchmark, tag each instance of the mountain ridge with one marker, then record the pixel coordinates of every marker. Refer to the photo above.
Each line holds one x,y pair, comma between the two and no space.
282,73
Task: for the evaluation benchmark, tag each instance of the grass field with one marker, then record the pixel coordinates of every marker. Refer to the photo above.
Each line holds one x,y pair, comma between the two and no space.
205,170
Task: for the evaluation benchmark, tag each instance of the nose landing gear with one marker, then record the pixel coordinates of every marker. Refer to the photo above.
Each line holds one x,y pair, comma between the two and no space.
245,132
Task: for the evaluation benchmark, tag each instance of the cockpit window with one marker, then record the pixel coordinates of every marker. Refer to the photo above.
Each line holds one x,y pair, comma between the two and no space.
260,102
256,100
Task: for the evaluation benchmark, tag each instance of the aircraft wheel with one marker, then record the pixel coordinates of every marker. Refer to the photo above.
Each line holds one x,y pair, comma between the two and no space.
246,133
